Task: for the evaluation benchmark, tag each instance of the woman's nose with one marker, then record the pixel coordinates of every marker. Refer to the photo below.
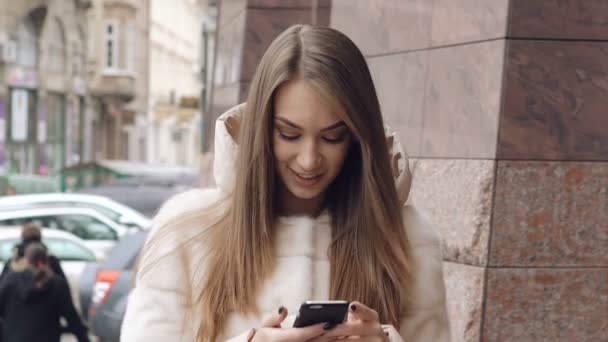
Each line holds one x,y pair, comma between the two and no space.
309,157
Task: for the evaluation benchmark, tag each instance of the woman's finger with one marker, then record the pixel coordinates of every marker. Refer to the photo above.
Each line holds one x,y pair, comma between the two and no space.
303,334
362,312
355,328
275,320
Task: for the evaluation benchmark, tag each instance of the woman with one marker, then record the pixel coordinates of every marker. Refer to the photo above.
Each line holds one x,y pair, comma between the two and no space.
33,300
309,205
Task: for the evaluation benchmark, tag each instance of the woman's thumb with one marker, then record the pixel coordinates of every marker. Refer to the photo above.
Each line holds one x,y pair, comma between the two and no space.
274,320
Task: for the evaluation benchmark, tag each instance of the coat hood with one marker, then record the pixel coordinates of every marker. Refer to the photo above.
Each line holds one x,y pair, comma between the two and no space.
26,287
226,148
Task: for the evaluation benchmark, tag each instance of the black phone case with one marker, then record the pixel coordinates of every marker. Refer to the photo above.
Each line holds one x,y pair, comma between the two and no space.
311,314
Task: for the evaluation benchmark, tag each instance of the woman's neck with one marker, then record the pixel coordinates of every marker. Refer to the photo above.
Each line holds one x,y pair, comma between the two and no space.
290,205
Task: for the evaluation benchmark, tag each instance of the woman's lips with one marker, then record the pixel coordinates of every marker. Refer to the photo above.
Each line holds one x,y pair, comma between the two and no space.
307,180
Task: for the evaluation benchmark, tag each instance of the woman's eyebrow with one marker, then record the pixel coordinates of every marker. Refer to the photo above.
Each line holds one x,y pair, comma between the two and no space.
328,128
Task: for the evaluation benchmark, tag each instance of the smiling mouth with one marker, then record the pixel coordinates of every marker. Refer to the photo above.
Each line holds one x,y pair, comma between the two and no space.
307,179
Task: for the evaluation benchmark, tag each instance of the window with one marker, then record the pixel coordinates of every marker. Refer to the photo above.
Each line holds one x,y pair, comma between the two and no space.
86,227
56,47
66,250
7,249
83,226
130,47
120,45
111,44
27,50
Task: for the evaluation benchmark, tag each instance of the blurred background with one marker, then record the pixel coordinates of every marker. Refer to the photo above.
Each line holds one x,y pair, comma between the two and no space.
107,108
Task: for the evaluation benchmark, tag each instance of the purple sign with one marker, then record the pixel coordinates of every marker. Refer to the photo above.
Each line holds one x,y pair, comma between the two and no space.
18,77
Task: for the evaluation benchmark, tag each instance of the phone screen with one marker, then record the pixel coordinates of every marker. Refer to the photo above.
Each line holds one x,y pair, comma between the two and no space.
314,312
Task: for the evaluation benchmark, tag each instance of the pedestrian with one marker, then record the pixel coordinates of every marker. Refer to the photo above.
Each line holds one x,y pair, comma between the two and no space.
309,205
32,302
30,233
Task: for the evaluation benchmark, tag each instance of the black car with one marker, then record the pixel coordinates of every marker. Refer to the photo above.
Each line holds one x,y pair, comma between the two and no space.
105,287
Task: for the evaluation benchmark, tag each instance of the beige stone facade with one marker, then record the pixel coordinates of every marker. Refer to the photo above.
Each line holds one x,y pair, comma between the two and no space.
118,77
73,84
43,90
182,34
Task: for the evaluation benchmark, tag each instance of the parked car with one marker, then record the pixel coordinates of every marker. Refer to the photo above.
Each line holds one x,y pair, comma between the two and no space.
97,231
69,249
114,210
105,287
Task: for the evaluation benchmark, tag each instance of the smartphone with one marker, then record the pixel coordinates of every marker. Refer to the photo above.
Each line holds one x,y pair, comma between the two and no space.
321,311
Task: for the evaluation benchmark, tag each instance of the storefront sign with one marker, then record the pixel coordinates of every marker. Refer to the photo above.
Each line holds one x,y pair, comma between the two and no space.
19,117
19,77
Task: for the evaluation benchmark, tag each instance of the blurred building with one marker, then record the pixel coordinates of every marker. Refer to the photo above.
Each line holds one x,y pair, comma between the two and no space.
118,78
43,90
181,36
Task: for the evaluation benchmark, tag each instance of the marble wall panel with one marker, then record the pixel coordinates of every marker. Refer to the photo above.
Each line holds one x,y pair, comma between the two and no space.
399,81
231,40
229,9
462,21
549,214
555,100
263,26
462,107
456,195
464,296
384,26
559,19
288,3
560,305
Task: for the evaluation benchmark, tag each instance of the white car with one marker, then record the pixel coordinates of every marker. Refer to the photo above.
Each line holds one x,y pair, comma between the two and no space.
117,212
97,232
73,255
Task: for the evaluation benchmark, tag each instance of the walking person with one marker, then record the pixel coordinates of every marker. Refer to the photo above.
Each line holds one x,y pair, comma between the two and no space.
33,300
30,233
309,205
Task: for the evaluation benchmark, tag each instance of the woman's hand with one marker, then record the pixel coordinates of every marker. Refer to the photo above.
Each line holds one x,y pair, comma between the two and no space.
271,330
362,325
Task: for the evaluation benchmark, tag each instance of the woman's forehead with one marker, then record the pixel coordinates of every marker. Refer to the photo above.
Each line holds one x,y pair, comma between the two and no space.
300,104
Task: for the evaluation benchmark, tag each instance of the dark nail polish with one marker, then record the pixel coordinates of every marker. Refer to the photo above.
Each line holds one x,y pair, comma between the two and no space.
328,326
386,333
353,307
281,310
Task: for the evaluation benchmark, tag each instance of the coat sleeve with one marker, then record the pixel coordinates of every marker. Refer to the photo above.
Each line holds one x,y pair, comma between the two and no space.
427,317
68,311
159,304
55,266
156,309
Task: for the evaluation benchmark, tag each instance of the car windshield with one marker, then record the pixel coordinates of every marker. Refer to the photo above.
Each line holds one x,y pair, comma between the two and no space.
64,250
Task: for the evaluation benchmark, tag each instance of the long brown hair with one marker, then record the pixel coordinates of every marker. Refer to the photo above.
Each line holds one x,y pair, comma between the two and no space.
369,251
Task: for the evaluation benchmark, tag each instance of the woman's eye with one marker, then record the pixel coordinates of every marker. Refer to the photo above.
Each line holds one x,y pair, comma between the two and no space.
289,137
335,139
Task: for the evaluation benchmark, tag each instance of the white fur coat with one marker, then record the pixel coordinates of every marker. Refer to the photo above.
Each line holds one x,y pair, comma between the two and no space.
156,310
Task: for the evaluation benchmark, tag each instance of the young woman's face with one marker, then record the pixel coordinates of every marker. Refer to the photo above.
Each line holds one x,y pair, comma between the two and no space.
310,141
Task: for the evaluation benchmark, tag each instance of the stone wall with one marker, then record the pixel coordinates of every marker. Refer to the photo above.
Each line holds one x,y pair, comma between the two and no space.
501,106
245,30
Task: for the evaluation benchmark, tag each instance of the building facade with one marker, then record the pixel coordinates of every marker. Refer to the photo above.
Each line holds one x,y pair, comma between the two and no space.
118,78
181,36
43,90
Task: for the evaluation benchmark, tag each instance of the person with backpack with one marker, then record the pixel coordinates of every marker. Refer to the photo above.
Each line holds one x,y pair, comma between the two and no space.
33,300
